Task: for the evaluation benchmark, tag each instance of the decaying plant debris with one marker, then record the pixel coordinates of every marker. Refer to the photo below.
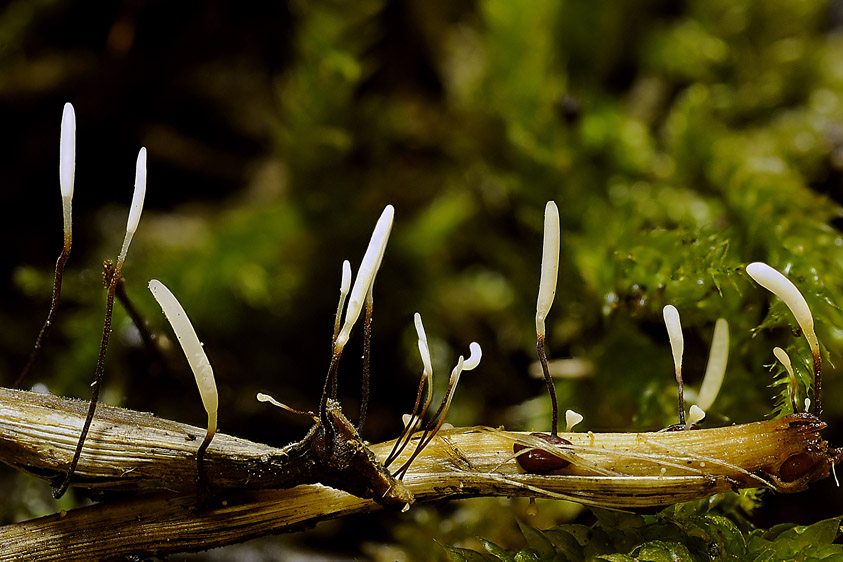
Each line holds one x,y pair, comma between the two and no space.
179,493
260,489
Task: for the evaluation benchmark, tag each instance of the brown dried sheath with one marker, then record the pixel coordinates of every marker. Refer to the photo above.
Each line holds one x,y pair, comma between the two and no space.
130,450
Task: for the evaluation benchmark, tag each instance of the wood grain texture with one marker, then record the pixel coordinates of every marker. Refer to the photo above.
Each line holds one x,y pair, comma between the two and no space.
252,496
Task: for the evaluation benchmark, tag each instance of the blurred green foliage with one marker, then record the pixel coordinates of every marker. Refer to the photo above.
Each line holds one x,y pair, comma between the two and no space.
680,141
687,533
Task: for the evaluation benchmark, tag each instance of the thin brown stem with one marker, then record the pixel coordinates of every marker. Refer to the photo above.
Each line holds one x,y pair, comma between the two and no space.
411,426
146,336
367,351
549,382
681,397
431,429
98,374
329,388
51,315
202,479
818,384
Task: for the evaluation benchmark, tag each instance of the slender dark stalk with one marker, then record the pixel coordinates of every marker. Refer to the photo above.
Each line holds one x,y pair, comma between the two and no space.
328,388
367,350
202,478
51,315
818,385
681,397
549,381
430,429
95,392
404,438
140,324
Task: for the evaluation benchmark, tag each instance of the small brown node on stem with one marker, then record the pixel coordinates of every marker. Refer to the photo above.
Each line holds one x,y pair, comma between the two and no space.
538,461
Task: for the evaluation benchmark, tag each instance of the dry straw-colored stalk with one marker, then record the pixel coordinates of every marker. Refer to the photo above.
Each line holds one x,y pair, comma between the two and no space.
254,491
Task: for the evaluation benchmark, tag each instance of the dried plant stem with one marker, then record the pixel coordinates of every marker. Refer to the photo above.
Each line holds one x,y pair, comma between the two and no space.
51,315
254,496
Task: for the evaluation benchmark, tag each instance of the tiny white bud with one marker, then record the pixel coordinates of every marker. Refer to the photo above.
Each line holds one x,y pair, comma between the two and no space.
572,418
474,357
424,349
715,370
267,398
807,404
782,287
366,274
695,415
67,151
674,333
784,359
550,266
345,285
193,350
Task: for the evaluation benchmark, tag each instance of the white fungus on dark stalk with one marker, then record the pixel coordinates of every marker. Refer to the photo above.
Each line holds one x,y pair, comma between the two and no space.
67,173
547,291
775,282
366,274
67,167
677,345
137,206
550,266
193,350
438,420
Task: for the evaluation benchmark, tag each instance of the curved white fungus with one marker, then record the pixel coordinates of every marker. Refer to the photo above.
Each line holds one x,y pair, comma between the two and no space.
550,265
715,370
366,274
782,287
192,348
474,357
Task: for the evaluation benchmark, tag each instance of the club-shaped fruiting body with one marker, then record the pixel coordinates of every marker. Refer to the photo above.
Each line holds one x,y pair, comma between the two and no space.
67,151
438,420
677,345
718,358
550,266
366,274
192,348
345,285
67,163
674,333
424,348
782,287
137,204
784,359
424,352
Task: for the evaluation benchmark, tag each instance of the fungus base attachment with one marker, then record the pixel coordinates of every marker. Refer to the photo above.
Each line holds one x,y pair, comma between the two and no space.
539,461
